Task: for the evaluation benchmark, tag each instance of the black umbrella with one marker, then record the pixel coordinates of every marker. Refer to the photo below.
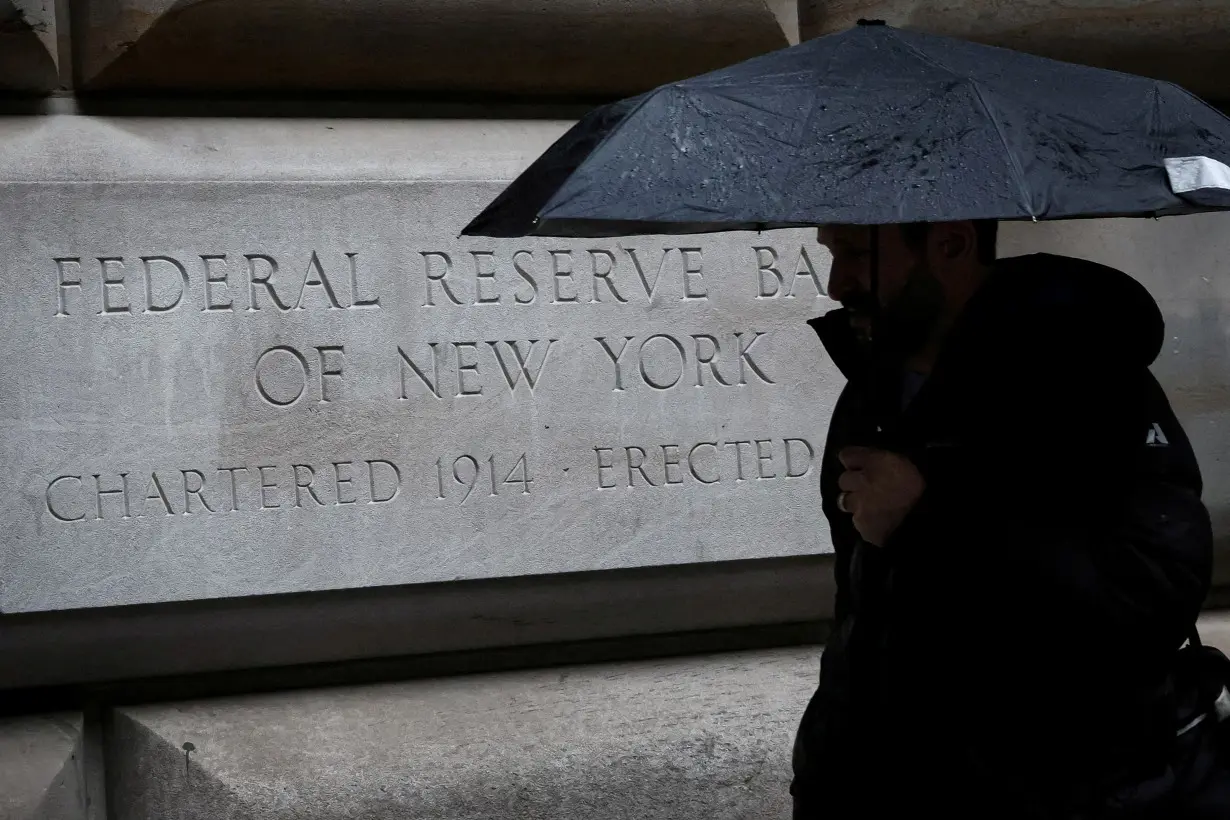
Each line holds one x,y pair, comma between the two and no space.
874,125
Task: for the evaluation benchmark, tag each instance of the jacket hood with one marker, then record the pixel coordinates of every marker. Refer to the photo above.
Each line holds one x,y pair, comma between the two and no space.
1042,300
1056,300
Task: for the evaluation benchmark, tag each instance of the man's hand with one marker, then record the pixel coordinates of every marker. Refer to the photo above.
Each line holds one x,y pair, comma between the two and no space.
879,489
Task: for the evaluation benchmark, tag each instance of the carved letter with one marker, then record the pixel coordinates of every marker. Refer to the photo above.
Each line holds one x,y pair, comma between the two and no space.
303,375
739,457
338,481
448,268
189,492
764,266
805,269
51,507
522,358
299,485
63,284
528,276
234,485
265,485
154,492
640,272
692,463
325,372
707,358
466,368
481,276
692,268
604,276
561,274
615,357
432,384
745,357
371,481
811,454
355,300
321,281
263,281
210,279
683,360
761,458
108,282
607,466
670,458
150,307
638,466
99,492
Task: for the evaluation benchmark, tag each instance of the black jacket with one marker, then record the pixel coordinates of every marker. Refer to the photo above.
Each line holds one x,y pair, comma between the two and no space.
1008,653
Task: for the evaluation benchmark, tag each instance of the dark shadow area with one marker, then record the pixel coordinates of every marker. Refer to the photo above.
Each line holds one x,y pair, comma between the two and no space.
381,670
75,650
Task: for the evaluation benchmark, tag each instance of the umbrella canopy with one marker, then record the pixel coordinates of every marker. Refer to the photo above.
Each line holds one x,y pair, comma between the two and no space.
870,126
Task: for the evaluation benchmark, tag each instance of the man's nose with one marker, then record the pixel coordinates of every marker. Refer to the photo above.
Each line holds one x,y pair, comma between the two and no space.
841,282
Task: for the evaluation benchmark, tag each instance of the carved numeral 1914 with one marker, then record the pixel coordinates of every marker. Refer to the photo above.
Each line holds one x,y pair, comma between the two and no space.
467,472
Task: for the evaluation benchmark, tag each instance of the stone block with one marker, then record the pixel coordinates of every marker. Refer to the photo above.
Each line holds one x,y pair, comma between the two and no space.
41,768
514,47
702,737
1183,41
244,358
29,52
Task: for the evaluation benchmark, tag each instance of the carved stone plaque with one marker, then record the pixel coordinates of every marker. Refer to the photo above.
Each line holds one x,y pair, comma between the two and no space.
217,389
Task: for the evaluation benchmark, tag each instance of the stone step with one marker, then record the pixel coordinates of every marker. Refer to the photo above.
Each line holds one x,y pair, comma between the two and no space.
699,737
41,768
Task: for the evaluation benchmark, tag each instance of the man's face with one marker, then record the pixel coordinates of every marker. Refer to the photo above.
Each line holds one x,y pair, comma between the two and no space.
911,298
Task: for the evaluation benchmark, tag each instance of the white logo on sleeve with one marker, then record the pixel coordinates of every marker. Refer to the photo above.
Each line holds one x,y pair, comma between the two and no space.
1156,437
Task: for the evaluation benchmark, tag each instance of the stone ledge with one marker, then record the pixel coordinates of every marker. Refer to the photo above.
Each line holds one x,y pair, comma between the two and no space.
41,769
74,148
577,47
707,737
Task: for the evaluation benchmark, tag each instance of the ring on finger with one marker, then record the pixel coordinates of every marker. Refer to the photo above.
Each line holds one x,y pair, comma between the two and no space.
841,503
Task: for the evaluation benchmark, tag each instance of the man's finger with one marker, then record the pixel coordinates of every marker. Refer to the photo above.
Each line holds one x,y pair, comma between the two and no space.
855,458
853,480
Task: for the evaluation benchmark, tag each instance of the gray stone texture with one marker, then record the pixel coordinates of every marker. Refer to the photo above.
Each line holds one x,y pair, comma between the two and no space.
243,363
41,768
489,46
29,50
700,737
1183,41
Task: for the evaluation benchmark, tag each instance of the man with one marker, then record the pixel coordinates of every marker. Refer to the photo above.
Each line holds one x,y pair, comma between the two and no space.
1021,548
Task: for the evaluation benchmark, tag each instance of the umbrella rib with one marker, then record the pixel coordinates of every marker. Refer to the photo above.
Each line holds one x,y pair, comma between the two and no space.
551,204
922,55
1014,165
1018,173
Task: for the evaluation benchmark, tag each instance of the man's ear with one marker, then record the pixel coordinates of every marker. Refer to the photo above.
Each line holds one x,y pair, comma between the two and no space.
954,241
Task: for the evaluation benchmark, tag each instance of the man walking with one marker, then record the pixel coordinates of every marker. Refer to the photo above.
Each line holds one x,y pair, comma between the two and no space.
1021,547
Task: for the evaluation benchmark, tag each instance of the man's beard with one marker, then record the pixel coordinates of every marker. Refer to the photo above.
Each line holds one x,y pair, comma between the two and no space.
905,325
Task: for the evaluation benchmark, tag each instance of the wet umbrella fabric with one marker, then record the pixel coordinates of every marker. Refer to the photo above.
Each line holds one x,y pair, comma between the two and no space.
874,125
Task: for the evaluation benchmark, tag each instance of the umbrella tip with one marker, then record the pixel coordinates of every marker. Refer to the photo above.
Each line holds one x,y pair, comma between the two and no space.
865,22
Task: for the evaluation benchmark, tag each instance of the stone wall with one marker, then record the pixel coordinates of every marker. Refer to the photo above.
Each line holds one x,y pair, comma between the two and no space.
1183,41
269,423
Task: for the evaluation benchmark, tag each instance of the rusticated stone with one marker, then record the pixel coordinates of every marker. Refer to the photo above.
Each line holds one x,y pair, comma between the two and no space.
514,47
1183,41
29,53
